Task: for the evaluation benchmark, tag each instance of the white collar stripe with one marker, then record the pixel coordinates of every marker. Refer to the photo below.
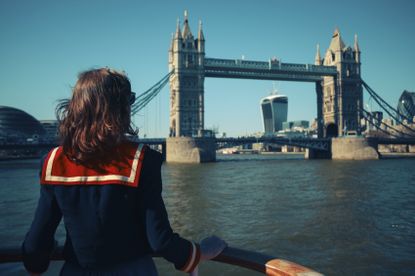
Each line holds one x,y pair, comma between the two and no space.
135,163
50,163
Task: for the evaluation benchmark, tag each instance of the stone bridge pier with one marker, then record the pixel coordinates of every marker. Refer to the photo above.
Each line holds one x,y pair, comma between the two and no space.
190,149
353,148
346,148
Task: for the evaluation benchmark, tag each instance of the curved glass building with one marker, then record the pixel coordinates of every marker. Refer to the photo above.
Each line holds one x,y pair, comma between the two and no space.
17,125
406,106
274,112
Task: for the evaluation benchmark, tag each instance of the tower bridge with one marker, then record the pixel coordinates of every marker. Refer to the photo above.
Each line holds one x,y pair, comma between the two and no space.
336,76
338,85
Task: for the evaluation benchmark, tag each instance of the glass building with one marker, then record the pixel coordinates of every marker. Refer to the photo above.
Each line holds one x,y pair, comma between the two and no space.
274,112
18,126
51,129
406,106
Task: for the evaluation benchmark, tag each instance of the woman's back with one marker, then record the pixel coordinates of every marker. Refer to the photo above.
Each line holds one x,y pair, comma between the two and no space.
107,189
103,206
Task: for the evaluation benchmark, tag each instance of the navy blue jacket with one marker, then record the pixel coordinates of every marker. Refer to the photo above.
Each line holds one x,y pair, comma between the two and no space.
107,220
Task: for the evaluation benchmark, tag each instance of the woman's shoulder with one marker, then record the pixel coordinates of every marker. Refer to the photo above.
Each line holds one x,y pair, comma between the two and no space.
152,156
149,155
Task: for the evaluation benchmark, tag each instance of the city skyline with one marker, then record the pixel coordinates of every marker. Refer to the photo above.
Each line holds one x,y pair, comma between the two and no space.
46,44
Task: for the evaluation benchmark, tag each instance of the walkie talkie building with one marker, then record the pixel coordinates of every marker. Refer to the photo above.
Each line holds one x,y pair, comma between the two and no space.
274,112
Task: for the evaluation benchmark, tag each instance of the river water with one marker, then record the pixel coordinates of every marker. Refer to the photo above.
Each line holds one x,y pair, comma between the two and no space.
337,217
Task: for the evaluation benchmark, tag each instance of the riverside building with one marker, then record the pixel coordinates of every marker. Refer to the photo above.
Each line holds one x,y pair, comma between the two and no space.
274,112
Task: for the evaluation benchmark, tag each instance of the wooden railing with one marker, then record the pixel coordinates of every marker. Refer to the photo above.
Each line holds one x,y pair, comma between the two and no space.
254,261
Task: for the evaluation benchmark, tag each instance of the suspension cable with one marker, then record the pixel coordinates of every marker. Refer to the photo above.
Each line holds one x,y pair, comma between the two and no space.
382,104
155,85
386,132
375,95
144,98
369,116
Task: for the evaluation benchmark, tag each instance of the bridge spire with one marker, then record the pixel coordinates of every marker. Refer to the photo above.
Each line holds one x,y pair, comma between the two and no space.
186,29
356,49
336,43
200,35
178,34
356,44
172,43
318,58
200,39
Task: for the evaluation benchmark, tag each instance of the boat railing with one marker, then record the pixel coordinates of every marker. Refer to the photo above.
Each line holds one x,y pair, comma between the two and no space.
251,260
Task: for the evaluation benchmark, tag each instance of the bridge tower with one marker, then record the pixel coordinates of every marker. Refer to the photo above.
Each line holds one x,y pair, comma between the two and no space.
186,58
340,99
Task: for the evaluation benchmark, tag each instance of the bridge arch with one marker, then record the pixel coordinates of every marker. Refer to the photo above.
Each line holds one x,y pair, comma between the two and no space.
332,130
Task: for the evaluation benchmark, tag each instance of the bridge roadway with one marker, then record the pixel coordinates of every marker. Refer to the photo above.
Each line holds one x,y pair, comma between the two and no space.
271,70
323,144
320,144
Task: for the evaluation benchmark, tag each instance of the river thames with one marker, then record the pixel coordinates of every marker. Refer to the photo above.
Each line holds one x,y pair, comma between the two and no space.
337,217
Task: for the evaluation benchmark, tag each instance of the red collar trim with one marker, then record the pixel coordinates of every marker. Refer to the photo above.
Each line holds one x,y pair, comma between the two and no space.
60,170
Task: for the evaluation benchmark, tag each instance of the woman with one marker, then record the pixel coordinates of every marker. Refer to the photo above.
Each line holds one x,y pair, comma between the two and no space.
108,191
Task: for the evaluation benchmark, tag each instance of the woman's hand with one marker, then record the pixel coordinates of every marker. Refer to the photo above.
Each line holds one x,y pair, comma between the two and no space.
211,247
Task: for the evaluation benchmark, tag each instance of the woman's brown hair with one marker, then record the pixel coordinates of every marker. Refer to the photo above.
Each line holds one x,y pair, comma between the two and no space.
97,117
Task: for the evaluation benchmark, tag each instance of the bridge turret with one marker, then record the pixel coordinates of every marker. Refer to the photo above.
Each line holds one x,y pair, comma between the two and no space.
336,46
200,42
356,50
187,33
317,60
178,39
342,96
178,35
175,48
187,82
172,43
200,39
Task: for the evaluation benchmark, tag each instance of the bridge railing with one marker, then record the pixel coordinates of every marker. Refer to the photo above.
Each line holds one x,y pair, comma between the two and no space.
268,265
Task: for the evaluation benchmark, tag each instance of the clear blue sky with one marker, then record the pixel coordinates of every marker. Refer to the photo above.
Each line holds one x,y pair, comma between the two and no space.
45,44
